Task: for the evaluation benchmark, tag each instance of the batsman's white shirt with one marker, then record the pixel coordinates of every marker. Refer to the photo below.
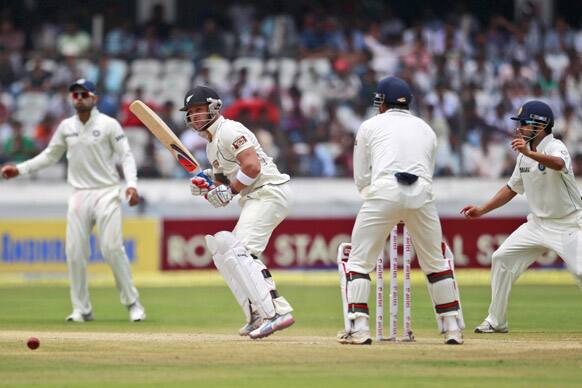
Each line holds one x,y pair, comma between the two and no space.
555,223
391,142
266,202
91,149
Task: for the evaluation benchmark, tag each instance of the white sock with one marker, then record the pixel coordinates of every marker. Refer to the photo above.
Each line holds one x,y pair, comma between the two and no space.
451,323
360,323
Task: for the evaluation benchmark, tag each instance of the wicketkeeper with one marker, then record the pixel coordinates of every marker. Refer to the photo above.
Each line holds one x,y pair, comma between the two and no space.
394,160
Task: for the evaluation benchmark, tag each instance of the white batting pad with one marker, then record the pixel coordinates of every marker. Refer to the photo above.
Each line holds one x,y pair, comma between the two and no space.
239,265
231,280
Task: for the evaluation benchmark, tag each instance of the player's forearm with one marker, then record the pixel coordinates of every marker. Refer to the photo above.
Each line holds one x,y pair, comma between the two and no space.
504,195
246,176
129,170
42,160
553,162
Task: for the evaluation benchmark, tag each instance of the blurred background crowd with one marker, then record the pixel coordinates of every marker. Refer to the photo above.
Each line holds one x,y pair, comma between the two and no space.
301,76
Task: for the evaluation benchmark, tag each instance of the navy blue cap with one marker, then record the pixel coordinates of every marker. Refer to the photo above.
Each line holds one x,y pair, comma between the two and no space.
83,83
392,90
535,110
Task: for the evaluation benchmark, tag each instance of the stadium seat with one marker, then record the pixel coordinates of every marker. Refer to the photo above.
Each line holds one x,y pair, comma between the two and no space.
287,68
31,108
182,67
146,67
219,70
138,139
254,67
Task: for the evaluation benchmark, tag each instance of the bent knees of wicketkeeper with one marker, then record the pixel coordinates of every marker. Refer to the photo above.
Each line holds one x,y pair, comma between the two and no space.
358,294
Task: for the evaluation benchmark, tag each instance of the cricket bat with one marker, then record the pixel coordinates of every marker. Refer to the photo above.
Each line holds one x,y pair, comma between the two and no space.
165,135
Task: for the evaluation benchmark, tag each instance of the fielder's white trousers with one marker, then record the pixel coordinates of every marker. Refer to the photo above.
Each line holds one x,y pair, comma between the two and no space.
376,219
99,208
522,248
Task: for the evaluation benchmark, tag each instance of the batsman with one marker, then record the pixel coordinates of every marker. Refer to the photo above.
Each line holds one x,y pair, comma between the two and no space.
394,158
241,167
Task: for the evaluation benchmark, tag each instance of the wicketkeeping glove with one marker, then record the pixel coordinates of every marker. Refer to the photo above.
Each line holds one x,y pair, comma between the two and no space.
220,196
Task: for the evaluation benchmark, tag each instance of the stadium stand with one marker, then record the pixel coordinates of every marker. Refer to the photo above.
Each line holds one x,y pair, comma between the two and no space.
301,79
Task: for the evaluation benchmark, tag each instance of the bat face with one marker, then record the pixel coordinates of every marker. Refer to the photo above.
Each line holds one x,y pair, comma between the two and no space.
165,135
188,163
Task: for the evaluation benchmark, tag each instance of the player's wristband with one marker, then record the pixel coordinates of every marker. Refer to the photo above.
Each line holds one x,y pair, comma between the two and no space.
245,179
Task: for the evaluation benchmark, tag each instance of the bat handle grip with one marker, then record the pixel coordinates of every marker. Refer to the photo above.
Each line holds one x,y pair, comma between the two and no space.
206,178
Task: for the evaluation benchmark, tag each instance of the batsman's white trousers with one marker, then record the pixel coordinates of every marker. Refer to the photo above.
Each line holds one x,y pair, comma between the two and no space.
261,212
376,219
522,248
99,208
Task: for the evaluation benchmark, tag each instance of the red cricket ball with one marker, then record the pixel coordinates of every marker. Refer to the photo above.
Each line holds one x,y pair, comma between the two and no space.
33,343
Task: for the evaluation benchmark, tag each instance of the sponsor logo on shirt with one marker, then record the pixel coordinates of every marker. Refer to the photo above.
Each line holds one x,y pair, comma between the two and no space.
524,169
96,133
541,167
117,138
73,134
239,142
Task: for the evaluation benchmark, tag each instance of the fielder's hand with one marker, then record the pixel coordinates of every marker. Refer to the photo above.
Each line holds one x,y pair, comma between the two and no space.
132,196
9,171
519,144
220,196
471,211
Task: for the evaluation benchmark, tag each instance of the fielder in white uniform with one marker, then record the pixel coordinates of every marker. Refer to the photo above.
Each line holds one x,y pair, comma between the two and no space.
240,166
394,159
91,140
543,172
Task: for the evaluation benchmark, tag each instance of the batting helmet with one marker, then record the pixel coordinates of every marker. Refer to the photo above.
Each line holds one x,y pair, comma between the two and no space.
392,91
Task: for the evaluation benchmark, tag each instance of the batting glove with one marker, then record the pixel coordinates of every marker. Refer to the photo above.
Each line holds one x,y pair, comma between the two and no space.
220,196
199,186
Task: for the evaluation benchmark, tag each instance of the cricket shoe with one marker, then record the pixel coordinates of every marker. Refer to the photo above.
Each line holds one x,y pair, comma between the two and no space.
486,327
136,312
77,316
271,325
252,325
454,337
361,337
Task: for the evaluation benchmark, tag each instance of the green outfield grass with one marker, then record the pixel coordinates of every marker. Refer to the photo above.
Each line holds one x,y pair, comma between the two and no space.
189,339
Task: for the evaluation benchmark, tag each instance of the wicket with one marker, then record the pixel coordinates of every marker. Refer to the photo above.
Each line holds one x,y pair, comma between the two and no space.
408,335
342,258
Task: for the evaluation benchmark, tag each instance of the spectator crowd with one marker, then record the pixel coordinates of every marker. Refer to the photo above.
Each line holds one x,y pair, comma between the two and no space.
302,83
